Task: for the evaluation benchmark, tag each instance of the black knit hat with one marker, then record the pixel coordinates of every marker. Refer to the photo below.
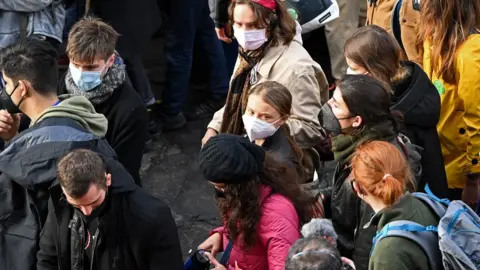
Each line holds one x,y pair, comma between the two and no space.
230,159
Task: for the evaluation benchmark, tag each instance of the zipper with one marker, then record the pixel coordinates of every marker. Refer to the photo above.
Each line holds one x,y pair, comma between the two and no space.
59,255
82,244
94,247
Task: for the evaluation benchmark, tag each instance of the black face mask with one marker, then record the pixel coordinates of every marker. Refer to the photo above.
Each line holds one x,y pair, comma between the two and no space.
8,102
329,121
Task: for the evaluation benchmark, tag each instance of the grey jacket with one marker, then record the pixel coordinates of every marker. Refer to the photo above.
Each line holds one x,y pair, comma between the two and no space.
43,18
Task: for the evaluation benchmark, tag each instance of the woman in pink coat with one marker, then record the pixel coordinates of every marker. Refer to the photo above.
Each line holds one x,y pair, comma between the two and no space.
260,202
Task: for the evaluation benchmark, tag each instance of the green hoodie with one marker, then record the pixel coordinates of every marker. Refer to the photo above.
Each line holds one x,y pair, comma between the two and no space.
396,253
77,108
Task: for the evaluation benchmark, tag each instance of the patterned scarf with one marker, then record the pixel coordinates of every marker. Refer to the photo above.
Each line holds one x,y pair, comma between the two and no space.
114,77
237,97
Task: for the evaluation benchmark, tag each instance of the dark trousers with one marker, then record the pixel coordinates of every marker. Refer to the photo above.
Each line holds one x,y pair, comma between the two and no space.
138,76
190,22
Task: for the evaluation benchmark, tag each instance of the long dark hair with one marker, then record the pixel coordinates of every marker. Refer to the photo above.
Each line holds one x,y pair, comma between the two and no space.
378,52
369,99
280,98
241,207
447,24
279,24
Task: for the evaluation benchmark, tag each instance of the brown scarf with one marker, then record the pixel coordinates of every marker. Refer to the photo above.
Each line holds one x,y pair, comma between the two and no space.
238,95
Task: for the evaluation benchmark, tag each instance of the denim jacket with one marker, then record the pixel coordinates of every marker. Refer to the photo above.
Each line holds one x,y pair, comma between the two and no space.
46,18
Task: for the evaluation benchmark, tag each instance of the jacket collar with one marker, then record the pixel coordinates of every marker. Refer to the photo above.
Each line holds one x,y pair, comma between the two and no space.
265,192
277,138
401,209
271,57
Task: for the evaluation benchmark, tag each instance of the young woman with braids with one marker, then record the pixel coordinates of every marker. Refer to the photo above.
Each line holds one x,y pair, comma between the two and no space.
268,108
269,52
450,38
260,203
380,177
358,112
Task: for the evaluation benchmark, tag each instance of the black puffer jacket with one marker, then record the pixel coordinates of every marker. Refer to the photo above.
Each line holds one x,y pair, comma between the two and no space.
418,99
136,231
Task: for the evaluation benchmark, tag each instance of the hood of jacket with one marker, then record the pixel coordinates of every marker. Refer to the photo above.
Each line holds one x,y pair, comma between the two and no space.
298,33
417,98
79,109
30,158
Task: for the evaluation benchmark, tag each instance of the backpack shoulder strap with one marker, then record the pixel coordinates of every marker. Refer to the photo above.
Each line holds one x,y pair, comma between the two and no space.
438,207
425,237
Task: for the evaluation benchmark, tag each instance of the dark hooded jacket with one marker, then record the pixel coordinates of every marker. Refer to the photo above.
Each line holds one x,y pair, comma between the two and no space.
127,125
418,100
28,169
349,214
136,231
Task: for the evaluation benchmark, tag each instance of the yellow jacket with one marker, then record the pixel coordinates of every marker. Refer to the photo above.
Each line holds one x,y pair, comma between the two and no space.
459,125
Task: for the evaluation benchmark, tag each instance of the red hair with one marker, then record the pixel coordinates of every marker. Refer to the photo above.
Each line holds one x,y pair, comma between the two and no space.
380,169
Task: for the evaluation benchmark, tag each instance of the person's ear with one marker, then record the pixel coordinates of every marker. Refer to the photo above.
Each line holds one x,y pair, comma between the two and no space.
282,121
111,60
357,188
357,122
108,178
24,86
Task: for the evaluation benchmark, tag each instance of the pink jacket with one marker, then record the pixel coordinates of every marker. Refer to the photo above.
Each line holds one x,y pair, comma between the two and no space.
278,229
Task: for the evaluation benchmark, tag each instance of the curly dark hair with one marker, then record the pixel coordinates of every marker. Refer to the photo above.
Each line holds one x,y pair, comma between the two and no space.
241,209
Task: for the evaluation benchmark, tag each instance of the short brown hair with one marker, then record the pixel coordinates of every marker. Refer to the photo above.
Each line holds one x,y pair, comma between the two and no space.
91,39
374,49
279,23
78,170
382,170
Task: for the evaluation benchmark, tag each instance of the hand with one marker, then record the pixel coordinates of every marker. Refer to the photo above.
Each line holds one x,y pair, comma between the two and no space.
9,124
222,36
470,194
349,262
212,244
217,265
210,133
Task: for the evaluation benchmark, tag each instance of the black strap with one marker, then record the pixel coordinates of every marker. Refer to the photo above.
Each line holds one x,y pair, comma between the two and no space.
23,25
226,254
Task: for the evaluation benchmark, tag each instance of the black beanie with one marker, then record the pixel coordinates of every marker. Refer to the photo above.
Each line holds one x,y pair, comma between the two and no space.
230,159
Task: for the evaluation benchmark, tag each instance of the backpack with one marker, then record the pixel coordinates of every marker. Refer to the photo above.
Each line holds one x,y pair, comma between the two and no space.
453,244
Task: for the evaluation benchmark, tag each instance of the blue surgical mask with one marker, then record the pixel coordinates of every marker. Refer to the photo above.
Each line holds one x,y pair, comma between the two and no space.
86,80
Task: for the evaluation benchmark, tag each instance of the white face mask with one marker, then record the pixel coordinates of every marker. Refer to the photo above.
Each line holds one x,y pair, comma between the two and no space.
258,129
350,71
250,39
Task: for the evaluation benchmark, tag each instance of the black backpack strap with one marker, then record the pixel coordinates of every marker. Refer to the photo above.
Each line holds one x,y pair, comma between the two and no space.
226,254
425,237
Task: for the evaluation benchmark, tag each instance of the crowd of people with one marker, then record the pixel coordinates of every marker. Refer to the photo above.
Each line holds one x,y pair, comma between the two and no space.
399,117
